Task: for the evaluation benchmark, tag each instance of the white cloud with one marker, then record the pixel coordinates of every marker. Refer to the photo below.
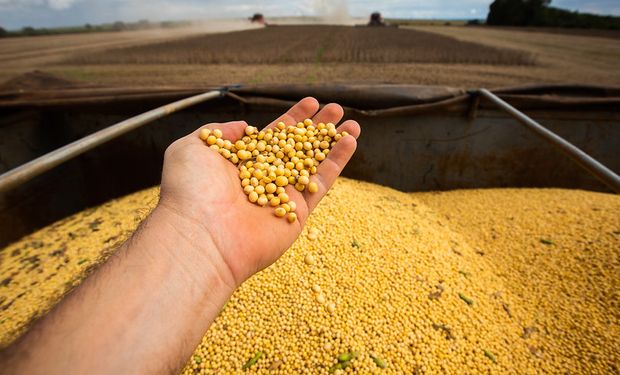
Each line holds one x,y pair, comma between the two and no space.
34,4
61,4
194,9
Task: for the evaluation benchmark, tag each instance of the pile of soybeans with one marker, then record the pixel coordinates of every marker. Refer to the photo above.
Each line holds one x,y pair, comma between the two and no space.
484,281
269,160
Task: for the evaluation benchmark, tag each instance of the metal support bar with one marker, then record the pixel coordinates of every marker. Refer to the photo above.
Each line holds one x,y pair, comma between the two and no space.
587,162
42,164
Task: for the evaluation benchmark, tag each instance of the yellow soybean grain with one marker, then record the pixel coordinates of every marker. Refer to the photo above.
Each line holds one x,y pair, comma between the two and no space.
390,268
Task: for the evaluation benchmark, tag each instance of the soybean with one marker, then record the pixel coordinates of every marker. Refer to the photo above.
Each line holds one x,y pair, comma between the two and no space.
277,157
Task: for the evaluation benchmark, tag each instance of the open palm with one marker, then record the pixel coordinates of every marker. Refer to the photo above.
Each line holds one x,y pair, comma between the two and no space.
202,186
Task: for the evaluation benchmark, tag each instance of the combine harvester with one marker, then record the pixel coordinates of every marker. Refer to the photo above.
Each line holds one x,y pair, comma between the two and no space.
376,20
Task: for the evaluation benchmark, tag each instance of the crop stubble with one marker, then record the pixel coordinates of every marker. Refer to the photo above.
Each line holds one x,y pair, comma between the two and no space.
311,44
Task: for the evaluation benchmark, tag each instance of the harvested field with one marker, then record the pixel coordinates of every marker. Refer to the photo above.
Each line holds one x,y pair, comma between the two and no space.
312,44
560,58
610,34
52,48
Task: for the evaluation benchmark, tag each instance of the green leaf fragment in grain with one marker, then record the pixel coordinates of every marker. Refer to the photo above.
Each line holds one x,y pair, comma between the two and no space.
345,357
465,273
546,241
378,361
490,356
339,366
467,300
252,361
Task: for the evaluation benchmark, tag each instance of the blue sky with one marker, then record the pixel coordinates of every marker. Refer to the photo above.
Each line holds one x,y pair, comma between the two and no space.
15,14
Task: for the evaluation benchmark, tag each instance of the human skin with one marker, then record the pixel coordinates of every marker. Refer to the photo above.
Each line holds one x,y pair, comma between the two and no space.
147,308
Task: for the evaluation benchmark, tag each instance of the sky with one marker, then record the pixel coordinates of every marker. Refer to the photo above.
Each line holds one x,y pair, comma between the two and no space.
15,14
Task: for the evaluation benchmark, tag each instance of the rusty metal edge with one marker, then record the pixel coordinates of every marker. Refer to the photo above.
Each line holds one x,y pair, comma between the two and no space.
529,96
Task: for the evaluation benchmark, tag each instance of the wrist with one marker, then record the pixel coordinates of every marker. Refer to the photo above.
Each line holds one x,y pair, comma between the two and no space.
160,290
188,243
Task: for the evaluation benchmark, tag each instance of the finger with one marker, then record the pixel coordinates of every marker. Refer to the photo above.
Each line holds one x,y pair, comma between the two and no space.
305,108
330,113
351,127
330,169
233,130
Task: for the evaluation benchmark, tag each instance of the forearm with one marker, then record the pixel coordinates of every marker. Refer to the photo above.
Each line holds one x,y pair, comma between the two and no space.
145,310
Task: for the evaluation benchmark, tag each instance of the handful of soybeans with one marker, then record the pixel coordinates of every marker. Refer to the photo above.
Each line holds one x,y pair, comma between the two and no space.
270,160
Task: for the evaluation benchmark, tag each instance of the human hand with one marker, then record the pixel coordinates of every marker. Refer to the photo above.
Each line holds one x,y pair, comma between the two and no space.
202,191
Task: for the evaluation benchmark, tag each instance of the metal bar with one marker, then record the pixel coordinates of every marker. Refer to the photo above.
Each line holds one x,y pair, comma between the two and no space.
33,168
606,175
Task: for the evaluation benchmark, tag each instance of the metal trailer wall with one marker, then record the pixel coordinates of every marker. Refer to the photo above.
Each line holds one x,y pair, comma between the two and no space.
436,150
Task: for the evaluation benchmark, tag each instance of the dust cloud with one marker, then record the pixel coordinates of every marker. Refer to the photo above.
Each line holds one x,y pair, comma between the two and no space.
335,12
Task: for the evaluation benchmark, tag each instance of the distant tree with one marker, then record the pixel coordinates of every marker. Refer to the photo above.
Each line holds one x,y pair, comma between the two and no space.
29,30
540,13
88,26
144,24
511,12
118,26
3,32
506,12
534,11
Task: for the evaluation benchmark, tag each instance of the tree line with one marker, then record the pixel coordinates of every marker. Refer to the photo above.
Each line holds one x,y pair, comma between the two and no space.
116,26
540,13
